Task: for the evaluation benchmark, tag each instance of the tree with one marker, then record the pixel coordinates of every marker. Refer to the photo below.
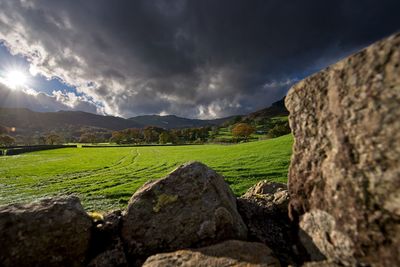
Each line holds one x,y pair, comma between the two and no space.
6,140
53,139
151,134
279,130
242,130
164,138
117,137
40,139
88,138
214,131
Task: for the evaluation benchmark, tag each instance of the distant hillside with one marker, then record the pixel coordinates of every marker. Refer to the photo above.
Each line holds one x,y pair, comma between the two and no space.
173,122
276,109
21,118
25,120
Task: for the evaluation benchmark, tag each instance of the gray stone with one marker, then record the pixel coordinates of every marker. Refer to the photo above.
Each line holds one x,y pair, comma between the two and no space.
51,232
228,253
191,207
344,177
264,209
271,195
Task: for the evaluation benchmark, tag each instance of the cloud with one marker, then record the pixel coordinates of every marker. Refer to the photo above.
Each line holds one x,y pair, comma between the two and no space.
190,58
37,101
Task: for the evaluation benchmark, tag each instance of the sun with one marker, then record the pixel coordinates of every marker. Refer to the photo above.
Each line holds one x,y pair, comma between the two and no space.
15,79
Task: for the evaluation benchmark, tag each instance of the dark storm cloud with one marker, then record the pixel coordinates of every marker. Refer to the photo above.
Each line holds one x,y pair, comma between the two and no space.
191,58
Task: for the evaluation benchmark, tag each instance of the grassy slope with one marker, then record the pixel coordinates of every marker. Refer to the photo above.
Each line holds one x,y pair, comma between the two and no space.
105,178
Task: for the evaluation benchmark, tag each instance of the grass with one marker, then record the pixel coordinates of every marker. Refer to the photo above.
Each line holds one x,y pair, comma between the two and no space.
105,178
225,133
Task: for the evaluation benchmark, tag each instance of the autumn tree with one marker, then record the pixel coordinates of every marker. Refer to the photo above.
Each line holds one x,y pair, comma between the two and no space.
6,140
242,130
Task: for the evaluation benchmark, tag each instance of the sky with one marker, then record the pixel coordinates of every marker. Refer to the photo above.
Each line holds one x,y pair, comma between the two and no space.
198,59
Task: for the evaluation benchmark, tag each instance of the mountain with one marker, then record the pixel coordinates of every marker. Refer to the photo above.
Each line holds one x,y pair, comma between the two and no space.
25,120
276,109
22,118
173,122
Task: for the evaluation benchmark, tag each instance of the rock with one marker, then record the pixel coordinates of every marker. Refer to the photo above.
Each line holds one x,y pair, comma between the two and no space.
264,209
191,207
228,253
344,177
51,232
271,195
112,257
106,247
321,263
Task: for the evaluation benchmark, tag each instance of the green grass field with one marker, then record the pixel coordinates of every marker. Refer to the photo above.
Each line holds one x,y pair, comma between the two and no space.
105,178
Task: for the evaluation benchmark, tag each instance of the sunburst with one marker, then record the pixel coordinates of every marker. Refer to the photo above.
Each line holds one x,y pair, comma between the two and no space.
15,78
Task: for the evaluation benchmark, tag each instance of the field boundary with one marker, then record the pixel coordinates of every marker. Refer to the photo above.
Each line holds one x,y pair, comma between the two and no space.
16,150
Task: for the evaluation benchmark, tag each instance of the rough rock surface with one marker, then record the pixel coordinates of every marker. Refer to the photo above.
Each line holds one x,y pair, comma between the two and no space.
51,232
191,207
321,264
106,246
228,253
344,178
264,209
271,195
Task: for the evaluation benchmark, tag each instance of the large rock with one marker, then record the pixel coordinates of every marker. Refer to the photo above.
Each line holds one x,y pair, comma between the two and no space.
264,209
52,232
344,178
192,206
228,253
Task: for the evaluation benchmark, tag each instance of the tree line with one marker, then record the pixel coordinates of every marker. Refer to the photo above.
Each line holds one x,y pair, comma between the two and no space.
240,131
153,135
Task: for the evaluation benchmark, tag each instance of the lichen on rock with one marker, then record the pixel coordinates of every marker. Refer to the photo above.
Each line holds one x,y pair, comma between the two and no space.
191,207
163,200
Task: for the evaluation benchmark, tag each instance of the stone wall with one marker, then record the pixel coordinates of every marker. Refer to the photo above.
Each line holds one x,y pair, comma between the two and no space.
344,193
344,178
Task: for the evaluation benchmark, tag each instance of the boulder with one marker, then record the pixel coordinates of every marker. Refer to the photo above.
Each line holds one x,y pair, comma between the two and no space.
264,209
228,253
344,177
191,207
51,232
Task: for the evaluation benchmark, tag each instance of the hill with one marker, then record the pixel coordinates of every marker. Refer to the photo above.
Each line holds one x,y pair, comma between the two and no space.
25,119
74,123
174,122
275,110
